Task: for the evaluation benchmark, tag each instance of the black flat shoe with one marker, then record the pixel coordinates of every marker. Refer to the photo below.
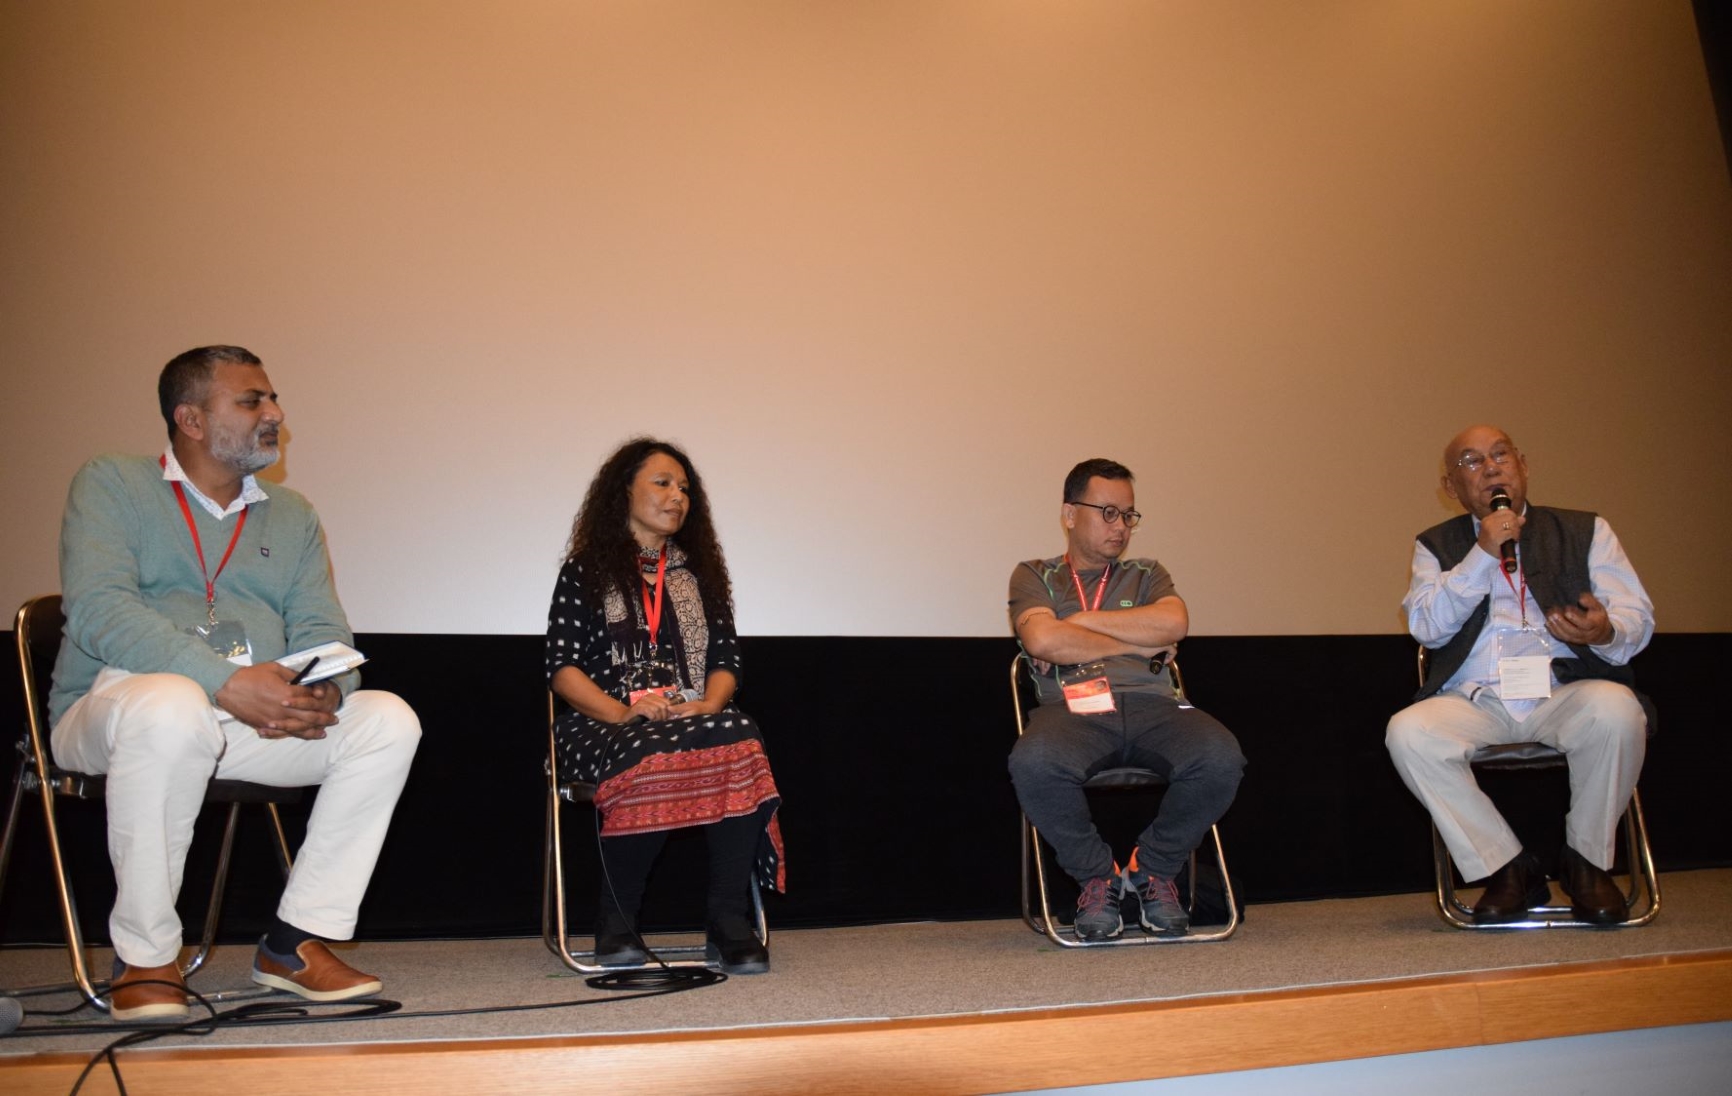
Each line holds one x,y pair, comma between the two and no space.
735,949
616,943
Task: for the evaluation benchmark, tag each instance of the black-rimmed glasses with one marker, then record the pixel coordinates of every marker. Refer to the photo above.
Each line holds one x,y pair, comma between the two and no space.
1110,514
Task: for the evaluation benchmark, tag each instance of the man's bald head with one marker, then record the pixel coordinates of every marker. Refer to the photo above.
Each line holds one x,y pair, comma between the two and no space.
1480,460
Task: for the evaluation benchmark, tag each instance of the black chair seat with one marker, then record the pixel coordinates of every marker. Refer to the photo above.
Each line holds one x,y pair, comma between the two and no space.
1115,779
94,786
577,791
1518,755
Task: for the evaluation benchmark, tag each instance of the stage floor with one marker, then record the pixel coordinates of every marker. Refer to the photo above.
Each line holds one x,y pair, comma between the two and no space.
919,985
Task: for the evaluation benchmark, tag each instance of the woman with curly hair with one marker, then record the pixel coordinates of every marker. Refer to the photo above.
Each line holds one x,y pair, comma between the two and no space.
641,647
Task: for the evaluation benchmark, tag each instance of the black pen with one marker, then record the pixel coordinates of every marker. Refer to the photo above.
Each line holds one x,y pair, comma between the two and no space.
305,670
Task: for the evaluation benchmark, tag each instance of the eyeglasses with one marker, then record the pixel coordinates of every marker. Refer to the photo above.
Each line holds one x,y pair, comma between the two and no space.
1473,462
1110,514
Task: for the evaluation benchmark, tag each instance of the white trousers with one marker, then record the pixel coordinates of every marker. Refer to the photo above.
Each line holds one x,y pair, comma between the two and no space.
159,741
1599,727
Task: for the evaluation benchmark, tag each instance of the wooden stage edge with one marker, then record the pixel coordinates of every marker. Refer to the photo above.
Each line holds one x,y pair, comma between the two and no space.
969,1053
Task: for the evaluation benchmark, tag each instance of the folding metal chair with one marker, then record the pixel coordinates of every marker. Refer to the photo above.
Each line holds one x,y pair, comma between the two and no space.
555,922
38,629
1641,892
1034,884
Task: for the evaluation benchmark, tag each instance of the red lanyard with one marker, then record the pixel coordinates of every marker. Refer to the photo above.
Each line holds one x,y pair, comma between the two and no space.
1100,589
209,579
652,612
1522,594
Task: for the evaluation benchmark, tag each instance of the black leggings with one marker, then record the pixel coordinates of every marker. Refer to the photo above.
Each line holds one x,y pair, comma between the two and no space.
733,847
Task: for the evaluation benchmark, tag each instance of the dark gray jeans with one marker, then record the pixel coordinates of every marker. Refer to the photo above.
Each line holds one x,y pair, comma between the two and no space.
1199,757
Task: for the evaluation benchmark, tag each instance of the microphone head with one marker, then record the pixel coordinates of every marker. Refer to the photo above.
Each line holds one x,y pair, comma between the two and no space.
1499,499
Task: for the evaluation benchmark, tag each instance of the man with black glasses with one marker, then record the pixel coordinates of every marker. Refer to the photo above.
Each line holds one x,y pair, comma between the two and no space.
1531,615
1096,630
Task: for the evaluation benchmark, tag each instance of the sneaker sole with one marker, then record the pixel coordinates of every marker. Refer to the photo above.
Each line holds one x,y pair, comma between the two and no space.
363,990
1098,936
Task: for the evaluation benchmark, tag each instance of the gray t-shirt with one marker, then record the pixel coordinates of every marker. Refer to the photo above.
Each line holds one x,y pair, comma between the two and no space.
1132,582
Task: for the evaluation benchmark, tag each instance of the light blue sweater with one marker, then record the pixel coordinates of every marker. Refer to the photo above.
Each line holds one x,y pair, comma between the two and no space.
131,581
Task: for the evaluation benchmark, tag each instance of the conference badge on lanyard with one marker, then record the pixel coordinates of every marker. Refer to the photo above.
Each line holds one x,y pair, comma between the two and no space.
1086,689
1524,654
228,638
656,674
1085,686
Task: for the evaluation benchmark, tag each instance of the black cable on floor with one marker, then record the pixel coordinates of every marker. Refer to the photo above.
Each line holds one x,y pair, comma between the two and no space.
291,1010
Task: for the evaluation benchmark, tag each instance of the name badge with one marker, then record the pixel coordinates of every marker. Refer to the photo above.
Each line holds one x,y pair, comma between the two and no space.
227,638
1524,677
1524,663
654,676
1087,691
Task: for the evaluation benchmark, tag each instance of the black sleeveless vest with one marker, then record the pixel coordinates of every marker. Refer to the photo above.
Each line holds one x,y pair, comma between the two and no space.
1554,546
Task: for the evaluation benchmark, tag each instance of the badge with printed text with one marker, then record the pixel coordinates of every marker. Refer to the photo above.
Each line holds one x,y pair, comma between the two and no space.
1524,664
1527,677
1086,689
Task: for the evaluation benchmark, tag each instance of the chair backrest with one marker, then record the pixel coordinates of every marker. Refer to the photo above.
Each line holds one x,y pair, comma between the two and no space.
37,630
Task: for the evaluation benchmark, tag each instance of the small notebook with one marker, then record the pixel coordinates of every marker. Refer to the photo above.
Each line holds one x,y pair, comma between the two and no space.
334,659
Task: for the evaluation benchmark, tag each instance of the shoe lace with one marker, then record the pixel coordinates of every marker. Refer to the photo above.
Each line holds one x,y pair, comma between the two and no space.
1095,895
1157,888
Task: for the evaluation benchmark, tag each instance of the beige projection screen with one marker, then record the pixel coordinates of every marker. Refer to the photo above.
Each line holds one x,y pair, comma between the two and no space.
887,270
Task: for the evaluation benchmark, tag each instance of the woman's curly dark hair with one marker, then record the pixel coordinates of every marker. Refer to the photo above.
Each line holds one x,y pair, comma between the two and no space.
601,532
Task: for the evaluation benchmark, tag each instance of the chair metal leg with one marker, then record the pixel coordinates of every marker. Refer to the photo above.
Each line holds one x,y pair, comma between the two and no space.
1639,856
1027,894
214,909
80,958
1641,896
14,808
280,844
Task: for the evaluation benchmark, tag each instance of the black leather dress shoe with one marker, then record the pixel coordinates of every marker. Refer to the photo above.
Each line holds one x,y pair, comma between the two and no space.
616,943
1594,897
1511,891
731,945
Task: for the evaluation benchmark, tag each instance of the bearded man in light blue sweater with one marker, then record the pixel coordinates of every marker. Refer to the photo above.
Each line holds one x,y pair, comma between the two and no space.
183,580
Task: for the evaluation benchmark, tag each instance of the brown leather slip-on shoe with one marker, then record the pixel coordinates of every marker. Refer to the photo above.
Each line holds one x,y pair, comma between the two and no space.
128,1001
1594,896
312,972
1512,890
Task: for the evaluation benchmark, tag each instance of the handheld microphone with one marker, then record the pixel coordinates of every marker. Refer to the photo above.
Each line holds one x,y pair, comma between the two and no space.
1507,550
11,1015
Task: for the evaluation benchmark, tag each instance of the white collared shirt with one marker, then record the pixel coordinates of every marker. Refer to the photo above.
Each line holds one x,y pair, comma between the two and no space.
251,492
